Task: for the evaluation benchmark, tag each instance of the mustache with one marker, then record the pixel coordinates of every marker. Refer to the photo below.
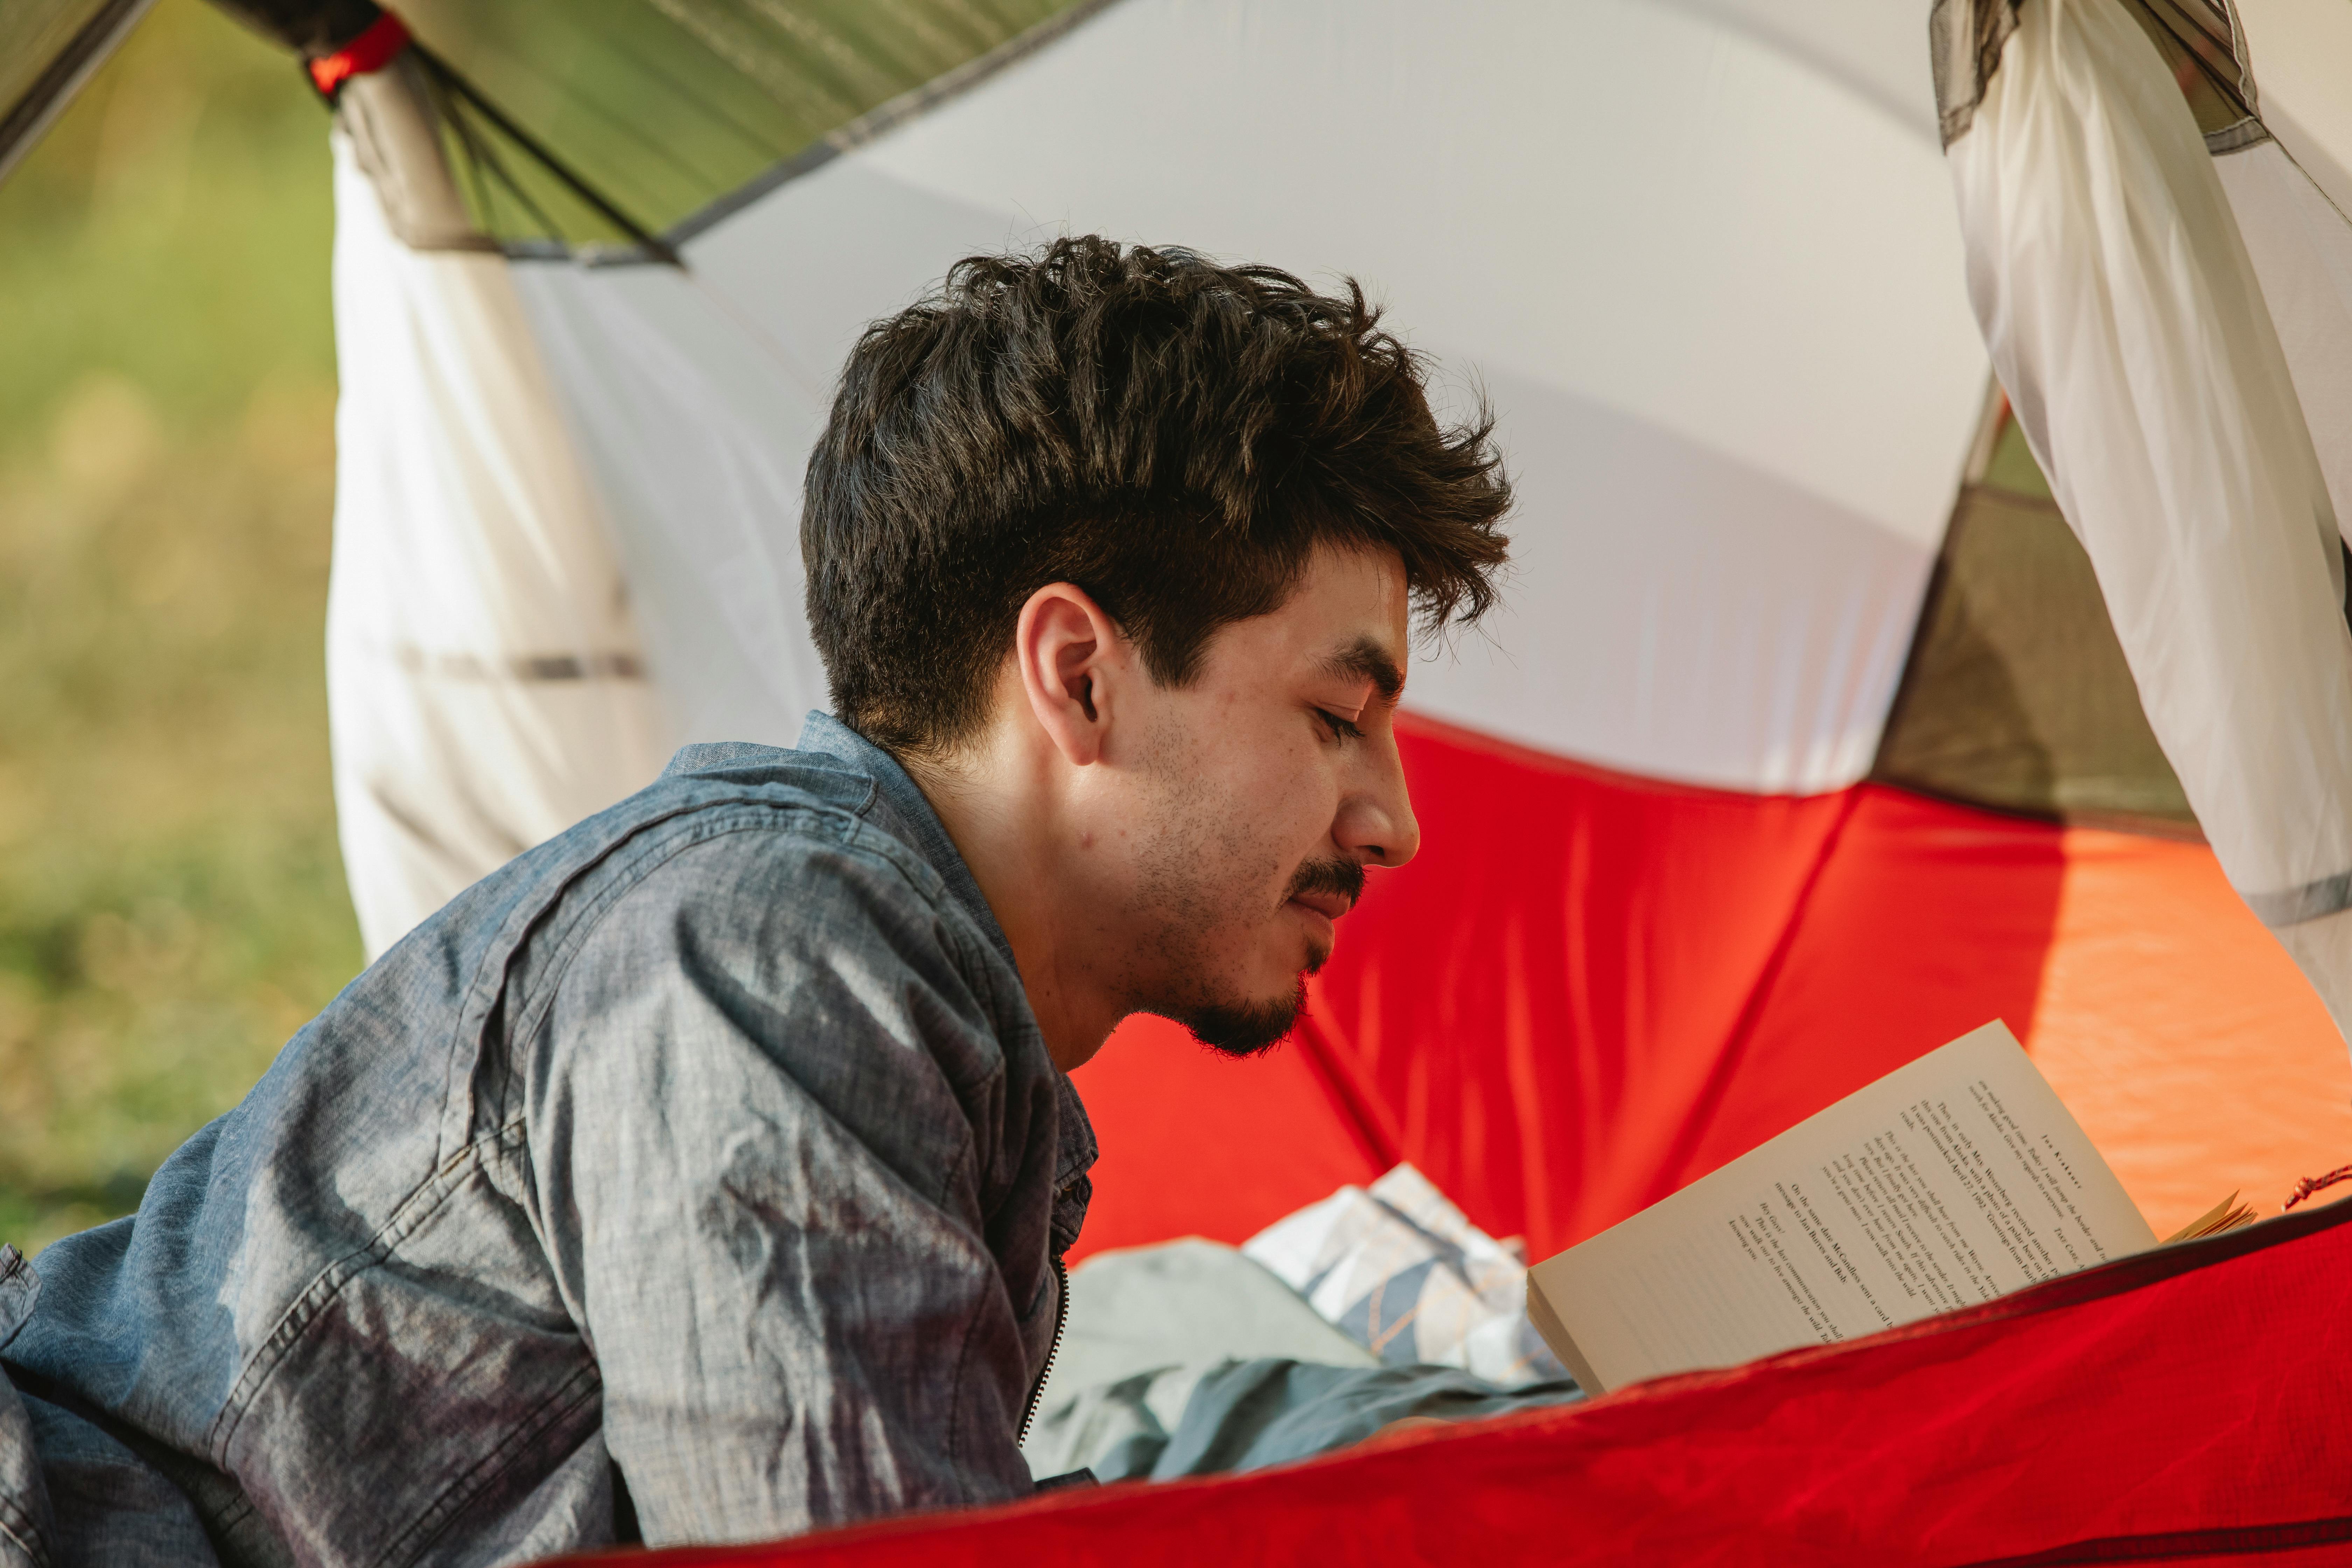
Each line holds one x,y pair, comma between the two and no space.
1344,878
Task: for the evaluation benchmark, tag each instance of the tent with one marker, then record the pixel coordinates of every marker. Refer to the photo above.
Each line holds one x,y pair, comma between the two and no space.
1819,726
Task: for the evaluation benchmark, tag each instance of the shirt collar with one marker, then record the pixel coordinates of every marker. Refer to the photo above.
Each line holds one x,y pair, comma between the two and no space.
916,821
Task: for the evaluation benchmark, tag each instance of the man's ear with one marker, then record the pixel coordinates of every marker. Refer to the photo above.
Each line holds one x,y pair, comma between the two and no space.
1072,658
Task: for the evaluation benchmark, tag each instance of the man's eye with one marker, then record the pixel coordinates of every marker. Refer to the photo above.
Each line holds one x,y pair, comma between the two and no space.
1341,729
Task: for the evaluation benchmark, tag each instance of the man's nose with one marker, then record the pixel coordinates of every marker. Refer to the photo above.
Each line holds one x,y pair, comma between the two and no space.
1376,822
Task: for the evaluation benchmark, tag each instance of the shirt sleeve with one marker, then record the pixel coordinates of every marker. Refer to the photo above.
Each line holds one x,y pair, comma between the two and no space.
769,1112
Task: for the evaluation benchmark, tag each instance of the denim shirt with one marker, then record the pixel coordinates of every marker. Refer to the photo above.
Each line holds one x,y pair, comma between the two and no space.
701,1173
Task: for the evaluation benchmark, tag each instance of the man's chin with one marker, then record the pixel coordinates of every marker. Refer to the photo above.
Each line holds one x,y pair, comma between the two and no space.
1247,1028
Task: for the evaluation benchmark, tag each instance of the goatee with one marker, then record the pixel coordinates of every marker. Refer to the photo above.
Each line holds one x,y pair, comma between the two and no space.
1247,1028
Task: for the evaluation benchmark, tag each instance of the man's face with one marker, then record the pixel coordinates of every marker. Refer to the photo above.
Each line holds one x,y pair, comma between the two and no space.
1256,796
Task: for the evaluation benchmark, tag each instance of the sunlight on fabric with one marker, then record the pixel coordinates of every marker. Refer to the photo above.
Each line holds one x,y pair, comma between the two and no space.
1728,351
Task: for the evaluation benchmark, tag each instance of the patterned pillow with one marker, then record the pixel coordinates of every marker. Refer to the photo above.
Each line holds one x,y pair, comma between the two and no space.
1401,1272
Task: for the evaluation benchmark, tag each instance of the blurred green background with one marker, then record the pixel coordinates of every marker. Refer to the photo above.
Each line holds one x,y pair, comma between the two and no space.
172,903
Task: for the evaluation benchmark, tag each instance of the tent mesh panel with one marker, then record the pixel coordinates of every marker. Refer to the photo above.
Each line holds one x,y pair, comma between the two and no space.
2017,695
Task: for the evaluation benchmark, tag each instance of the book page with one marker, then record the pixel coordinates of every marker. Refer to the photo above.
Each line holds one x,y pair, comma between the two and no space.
1948,1181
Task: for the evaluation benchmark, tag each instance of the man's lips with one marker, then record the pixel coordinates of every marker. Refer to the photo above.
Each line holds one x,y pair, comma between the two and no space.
1327,888
1330,906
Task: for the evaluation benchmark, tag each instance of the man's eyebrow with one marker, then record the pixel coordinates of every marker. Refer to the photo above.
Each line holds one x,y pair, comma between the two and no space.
1364,660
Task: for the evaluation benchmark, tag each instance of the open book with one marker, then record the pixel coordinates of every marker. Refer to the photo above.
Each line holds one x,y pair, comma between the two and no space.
1948,1181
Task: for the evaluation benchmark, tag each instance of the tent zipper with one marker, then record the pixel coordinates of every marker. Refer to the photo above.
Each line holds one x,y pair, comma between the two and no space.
1061,1319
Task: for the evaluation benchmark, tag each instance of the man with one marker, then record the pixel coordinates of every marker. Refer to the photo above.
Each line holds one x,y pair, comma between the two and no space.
705,1173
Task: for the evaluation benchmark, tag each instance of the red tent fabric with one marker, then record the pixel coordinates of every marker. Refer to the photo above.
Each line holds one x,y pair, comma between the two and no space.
2186,1405
1590,989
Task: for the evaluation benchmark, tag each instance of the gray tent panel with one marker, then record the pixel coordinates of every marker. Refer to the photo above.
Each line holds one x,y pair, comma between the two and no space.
668,112
2017,695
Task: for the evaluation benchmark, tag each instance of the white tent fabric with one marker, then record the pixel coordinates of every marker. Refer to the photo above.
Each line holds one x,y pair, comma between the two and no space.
2301,247
1699,253
2300,51
485,677
695,426
2126,319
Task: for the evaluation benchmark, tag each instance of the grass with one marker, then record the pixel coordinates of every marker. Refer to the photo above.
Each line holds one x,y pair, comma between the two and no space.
172,903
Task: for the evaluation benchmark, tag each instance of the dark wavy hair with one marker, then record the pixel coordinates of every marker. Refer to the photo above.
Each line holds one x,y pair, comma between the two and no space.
1174,436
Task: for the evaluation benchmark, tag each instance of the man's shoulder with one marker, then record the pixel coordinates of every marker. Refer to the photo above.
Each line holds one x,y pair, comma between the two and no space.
721,817
780,890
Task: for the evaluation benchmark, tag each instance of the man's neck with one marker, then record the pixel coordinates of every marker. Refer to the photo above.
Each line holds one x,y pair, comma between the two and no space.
1004,827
